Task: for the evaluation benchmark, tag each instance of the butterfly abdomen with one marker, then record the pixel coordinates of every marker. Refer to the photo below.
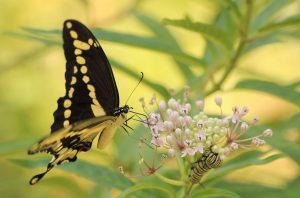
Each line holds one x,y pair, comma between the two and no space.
208,161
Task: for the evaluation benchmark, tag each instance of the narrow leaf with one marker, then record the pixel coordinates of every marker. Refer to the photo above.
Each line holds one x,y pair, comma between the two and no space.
272,37
291,21
213,192
283,92
137,75
143,186
147,43
97,173
267,13
208,31
162,33
244,160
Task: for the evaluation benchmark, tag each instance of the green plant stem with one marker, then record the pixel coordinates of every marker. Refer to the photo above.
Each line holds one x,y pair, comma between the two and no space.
181,167
188,189
169,181
241,46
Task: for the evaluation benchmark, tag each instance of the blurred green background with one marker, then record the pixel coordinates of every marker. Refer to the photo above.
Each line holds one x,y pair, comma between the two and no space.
32,69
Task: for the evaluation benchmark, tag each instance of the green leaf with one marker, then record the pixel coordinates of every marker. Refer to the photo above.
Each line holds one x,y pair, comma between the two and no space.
258,191
279,141
270,38
137,75
291,21
11,146
143,186
267,13
97,173
67,184
213,192
46,41
291,149
243,160
252,190
42,32
147,43
210,32
162,33
283,92
232,4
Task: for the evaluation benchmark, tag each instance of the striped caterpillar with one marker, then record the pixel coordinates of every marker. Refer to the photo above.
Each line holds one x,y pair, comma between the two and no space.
208,161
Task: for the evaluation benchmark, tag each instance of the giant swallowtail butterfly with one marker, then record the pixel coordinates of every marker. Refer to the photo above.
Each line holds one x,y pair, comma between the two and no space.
90,105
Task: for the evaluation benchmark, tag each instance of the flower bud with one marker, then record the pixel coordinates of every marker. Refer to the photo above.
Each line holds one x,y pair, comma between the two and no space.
268,132
171,152
170,139
244,127
218,100
234,146
200,105
162,105
187,132
200,124
244,111
178,132
169,125
172,103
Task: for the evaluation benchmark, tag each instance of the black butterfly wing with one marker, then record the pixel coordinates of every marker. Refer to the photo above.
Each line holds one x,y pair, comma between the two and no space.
91,89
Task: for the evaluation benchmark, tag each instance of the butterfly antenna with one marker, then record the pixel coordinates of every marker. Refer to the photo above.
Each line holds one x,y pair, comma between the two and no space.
135,87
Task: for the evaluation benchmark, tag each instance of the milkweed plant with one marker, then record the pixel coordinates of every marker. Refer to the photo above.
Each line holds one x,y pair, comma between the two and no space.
181,129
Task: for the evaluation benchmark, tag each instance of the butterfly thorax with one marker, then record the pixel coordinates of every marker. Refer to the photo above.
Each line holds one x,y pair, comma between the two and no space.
121,110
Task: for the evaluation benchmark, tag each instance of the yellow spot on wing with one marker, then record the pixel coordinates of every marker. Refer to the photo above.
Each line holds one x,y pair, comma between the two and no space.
97,110
73,81
67,103
66,123
67,113
75,69
83,69
77,52
69,25
92,94
90,41
81,45
73,34
95,101
80,60
71,91
90,87
85,79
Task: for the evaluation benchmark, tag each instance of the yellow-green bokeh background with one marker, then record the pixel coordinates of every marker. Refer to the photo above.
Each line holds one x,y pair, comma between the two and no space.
32,78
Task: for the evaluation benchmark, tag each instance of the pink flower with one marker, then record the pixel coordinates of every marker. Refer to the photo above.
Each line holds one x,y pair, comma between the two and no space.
188,151
200,124
234,146
199,148
157,140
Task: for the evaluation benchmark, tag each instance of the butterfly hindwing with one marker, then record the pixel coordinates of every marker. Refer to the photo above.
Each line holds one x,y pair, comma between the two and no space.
67,142
90,85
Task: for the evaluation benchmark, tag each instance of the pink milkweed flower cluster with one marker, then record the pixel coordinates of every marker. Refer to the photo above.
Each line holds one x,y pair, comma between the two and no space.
175,128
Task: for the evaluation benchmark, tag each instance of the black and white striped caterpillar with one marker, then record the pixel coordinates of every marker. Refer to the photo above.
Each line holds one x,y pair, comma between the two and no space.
208,161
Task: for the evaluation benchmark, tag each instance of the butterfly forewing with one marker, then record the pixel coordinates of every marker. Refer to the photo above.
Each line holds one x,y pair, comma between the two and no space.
90,85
